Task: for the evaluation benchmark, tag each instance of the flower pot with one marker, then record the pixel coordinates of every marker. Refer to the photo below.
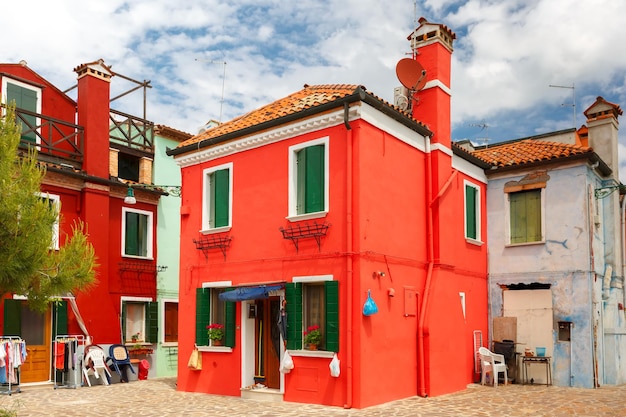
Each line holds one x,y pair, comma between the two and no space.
215,342
312,346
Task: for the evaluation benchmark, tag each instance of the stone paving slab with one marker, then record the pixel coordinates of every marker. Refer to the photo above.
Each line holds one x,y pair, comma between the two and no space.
158,397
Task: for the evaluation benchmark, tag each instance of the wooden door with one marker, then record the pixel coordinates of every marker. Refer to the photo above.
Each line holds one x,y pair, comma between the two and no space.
267,351
36,332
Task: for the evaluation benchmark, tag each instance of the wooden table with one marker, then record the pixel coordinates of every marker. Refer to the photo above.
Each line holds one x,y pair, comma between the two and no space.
542,360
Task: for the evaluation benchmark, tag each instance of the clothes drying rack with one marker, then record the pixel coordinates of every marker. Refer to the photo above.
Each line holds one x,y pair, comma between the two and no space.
10,385
68,361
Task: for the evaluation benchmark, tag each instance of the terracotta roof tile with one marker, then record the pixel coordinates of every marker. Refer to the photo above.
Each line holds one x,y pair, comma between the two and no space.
528,151
309,96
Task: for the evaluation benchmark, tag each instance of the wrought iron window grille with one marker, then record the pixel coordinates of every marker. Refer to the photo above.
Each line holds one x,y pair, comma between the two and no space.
209,242
305,231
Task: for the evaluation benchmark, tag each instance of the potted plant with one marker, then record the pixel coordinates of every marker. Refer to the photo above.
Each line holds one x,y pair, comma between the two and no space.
312,337
216,333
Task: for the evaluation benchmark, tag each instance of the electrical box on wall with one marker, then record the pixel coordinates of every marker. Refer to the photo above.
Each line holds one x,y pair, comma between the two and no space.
565,330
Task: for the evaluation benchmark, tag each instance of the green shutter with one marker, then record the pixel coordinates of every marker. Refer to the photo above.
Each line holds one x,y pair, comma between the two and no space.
152,325
470,212
59,318
314,179
293,294
131,244
123,323
229,324
331,294
203,314
301,181
221,196
24,99
525,216
12,317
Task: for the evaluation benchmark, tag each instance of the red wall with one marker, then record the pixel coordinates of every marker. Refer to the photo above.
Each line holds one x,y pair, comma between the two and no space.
386,231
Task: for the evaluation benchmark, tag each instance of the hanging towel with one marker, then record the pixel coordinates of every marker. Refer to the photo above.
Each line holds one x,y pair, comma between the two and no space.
59,355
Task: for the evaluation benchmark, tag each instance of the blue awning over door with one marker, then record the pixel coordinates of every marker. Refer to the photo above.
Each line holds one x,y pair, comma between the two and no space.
249,293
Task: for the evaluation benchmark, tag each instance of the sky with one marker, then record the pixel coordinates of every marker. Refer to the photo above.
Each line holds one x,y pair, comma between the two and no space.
519,68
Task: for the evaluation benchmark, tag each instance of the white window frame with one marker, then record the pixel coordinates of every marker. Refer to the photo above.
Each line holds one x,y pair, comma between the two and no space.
8,80
293,180
149,233
477,212
56,202
507,214
206,199
162,320
145,301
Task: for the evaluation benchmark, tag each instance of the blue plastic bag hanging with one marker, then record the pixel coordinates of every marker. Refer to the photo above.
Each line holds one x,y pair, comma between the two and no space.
370,306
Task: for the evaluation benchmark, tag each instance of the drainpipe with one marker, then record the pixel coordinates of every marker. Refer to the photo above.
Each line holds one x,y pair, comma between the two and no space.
623,245
349,257
429,273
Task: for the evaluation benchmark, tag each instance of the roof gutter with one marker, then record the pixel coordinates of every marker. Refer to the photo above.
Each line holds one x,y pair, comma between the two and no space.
359,95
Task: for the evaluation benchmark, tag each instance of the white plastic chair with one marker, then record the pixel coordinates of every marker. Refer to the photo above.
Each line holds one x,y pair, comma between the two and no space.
94,365
494,363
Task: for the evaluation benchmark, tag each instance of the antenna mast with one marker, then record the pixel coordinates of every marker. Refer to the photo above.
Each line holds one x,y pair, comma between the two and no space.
483,126
573,104
223,82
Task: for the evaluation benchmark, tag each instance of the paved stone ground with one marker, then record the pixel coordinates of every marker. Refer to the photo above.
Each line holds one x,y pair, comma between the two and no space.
158,397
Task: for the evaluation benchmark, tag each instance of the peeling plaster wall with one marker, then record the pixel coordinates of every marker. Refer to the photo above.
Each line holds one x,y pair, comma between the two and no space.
568,260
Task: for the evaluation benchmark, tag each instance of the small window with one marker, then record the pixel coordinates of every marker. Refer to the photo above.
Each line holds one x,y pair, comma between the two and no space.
26,97
525,216
139,321
217,196
308,176
170,321
312,304
55,204
211,311
128,166
136,233
472,211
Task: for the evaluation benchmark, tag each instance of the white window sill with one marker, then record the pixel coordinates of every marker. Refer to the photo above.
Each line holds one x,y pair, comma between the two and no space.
308,216
141,343
223,349
216,230
312,353
474,241
169,344
512,245
144,258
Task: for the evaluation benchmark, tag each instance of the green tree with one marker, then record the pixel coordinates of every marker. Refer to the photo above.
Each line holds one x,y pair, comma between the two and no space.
28,265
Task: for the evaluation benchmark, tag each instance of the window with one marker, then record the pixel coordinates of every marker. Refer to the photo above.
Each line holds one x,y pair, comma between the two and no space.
217,196
313,301
55,204
128,166
136,233
211,310
139,320
525,216
170,321
472,211
308,177
26,97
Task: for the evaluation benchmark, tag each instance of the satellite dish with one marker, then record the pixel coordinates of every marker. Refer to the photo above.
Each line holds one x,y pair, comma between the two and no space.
411,74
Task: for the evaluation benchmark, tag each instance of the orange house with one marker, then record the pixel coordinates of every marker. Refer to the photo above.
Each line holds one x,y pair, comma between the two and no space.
324,198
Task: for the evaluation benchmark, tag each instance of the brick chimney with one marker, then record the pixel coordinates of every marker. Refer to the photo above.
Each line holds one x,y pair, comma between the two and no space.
94,81
603,127
431,44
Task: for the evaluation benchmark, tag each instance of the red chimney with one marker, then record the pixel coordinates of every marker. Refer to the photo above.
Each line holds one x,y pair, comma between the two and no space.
432,48
94,80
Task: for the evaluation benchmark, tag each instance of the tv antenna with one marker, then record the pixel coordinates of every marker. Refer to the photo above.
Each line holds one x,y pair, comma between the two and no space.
573,103
223,81
483,126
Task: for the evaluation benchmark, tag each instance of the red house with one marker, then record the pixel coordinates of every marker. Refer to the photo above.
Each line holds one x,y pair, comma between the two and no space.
92,154
325,198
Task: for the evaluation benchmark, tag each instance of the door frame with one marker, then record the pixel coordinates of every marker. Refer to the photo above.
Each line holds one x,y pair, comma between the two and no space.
248,343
